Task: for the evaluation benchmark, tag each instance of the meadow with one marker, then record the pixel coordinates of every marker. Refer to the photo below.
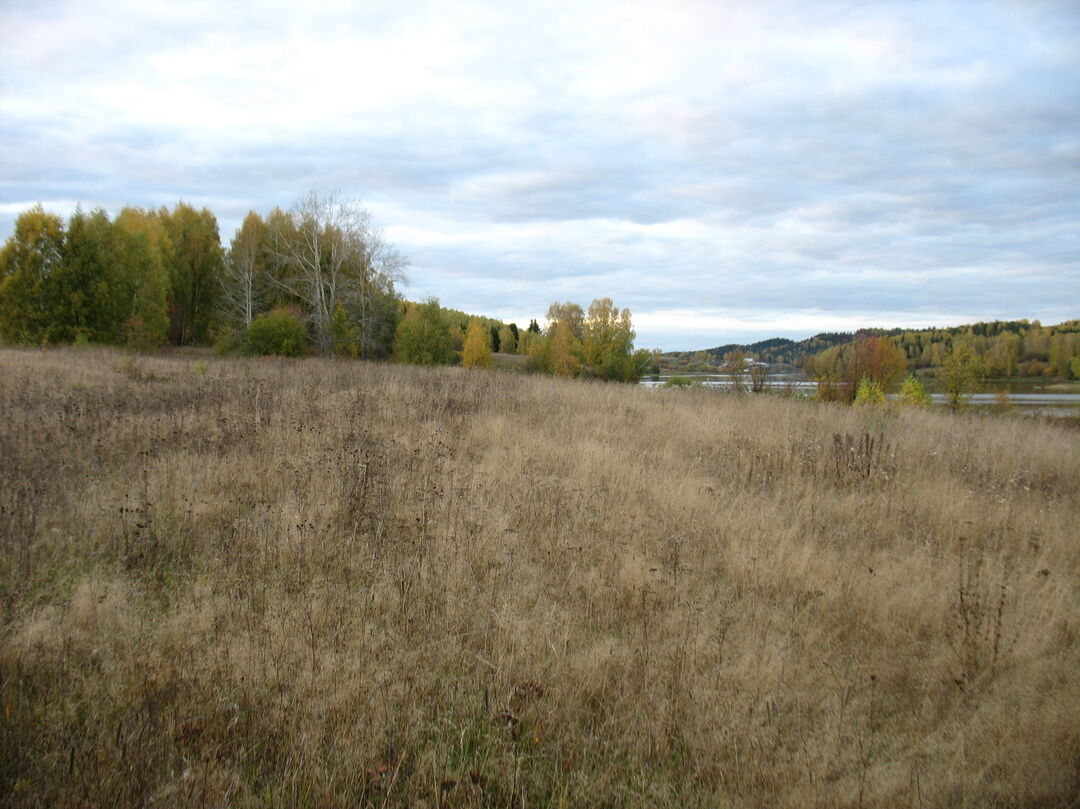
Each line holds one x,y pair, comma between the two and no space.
276,583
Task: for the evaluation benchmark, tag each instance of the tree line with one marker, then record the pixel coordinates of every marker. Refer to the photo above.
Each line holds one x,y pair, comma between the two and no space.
597,343
1016,348
866,369
776,351
999,349
959,356
150,277
317,278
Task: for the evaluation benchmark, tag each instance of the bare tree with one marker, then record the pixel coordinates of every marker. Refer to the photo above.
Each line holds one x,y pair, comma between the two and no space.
326,253
373,301
759,375
735,369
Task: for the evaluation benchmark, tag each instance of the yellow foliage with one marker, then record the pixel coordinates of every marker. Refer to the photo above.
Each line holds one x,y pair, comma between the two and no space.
562,344
477,351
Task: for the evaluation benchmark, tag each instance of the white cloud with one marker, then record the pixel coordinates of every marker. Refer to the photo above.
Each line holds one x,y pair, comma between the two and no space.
799,165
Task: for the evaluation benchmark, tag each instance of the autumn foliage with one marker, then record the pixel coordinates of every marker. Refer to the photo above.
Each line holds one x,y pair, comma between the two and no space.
477,350
839,370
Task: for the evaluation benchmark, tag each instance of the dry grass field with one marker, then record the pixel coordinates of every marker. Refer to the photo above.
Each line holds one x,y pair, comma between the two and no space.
264,583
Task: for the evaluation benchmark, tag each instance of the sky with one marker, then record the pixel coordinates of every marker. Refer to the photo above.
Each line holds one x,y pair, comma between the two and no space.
729,171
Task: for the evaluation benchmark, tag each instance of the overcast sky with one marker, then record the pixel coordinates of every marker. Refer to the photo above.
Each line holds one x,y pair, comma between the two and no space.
727,170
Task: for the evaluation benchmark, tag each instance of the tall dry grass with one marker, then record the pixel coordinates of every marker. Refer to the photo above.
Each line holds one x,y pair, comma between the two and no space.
317,583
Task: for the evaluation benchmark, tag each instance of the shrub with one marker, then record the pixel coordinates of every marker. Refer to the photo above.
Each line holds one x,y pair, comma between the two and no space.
280,331
869,392
913,393
230,340
681,382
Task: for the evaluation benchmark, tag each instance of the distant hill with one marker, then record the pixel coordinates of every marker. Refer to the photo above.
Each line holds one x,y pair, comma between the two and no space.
775,351
1005,348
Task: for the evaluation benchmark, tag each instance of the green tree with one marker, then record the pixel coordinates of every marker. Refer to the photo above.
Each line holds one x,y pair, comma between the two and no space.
195,261
477,350
110,274
962,372
345,335
1062,349
508,340
84,300
27,262
1003,356
913,393
526,340
537,347
869,392
143,236
608,343
682,382
423,337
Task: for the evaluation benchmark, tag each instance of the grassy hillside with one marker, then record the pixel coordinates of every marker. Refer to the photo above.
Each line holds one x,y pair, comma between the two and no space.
318,583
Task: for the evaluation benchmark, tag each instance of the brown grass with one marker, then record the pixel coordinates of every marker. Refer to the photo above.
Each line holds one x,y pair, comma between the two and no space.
318,583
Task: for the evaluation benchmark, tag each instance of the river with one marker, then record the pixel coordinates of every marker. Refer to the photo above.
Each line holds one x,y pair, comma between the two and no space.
1030,396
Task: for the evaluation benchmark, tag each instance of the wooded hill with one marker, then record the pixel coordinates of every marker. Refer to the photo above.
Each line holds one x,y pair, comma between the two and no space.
774,351
1004,348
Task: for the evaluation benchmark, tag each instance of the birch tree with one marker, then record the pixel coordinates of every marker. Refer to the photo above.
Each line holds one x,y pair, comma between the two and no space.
325,251
244,272
477,351
734,369
608,340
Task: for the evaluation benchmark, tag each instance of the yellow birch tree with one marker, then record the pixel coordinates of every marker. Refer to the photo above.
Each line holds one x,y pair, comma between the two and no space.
562,344
477,351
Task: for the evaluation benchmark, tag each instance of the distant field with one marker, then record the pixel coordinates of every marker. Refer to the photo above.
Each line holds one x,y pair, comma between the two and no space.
509,362
266,583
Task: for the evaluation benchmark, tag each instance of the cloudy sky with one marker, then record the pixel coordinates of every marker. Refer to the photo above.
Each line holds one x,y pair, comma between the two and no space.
728,170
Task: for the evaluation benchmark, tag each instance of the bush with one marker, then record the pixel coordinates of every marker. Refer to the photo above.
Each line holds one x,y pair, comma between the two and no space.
230,340
913,393
681,382
423,337
869,392
280,332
